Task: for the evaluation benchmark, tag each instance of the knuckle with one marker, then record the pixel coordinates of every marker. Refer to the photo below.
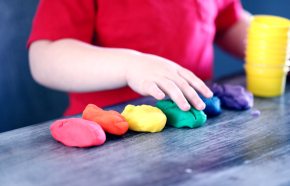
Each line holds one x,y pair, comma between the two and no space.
198,84
149,85
183,84
169,84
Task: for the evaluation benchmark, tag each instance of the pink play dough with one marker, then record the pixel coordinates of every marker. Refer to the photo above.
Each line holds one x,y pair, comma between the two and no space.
77,132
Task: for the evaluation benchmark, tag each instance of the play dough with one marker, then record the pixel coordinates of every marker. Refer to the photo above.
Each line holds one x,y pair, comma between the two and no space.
144,118
233,96
77,132
111,121
213,106
256,113
178,118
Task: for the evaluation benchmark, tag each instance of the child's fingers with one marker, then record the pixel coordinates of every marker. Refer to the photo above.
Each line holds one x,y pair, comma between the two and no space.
153,90
195,82
189,92
173,91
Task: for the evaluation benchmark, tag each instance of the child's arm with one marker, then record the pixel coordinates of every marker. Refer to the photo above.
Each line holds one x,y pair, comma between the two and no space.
234,39
74,66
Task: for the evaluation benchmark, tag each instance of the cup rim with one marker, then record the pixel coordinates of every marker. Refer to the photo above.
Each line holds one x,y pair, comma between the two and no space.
263,65
268,28
265,61
261,44
273,70
258,52
265,42
267,36
270,47
264,20
266,51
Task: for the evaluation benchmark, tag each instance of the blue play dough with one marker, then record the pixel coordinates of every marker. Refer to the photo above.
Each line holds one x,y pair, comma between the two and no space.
213,106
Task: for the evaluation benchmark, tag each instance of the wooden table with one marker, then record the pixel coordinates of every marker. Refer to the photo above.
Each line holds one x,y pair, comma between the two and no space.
235,148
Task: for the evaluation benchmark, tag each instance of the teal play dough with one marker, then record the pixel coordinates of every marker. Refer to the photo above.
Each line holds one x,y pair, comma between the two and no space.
179,118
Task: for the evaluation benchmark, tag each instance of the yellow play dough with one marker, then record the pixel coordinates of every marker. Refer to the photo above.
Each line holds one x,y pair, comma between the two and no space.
144,118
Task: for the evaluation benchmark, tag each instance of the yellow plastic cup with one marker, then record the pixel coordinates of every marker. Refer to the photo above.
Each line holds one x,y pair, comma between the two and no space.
267,47
257,52
266,86
270,21
268,34
268,42
272,39
266,81
261,61
265,30
272,50
266,53
272,66
265,42
257,29
277,45
266,58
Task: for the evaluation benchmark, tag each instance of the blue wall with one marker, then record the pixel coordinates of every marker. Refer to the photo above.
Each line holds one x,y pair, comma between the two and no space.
22,101
233,65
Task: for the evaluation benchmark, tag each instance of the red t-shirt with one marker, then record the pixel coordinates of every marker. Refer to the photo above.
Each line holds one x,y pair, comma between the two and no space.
180,30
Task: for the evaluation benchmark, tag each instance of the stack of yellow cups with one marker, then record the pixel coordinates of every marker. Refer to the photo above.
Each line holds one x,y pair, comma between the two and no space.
267,55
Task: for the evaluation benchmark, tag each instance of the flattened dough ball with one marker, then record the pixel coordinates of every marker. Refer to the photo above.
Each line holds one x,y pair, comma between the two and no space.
178,118
77,132
111,121
144,118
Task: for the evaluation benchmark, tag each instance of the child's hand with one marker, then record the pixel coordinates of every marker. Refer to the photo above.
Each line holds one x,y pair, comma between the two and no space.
110,68
156,76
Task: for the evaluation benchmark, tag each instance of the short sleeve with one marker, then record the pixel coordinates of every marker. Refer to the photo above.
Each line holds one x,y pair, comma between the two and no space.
228,14
58,19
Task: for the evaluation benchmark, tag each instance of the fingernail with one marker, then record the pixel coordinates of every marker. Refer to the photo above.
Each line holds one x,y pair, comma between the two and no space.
209,94
161,96
186,107
201,106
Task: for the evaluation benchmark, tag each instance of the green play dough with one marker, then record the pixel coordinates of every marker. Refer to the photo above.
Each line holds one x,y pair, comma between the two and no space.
179,118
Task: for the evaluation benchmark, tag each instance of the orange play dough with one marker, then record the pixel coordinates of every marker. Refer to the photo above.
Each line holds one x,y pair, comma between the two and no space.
111,121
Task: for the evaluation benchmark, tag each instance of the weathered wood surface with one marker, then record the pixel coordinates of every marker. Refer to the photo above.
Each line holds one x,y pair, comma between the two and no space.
235,148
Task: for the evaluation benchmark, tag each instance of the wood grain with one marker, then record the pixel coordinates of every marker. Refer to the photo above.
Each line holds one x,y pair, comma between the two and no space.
235,148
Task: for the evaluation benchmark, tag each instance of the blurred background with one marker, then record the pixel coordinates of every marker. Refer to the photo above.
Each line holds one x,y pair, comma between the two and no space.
23,102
